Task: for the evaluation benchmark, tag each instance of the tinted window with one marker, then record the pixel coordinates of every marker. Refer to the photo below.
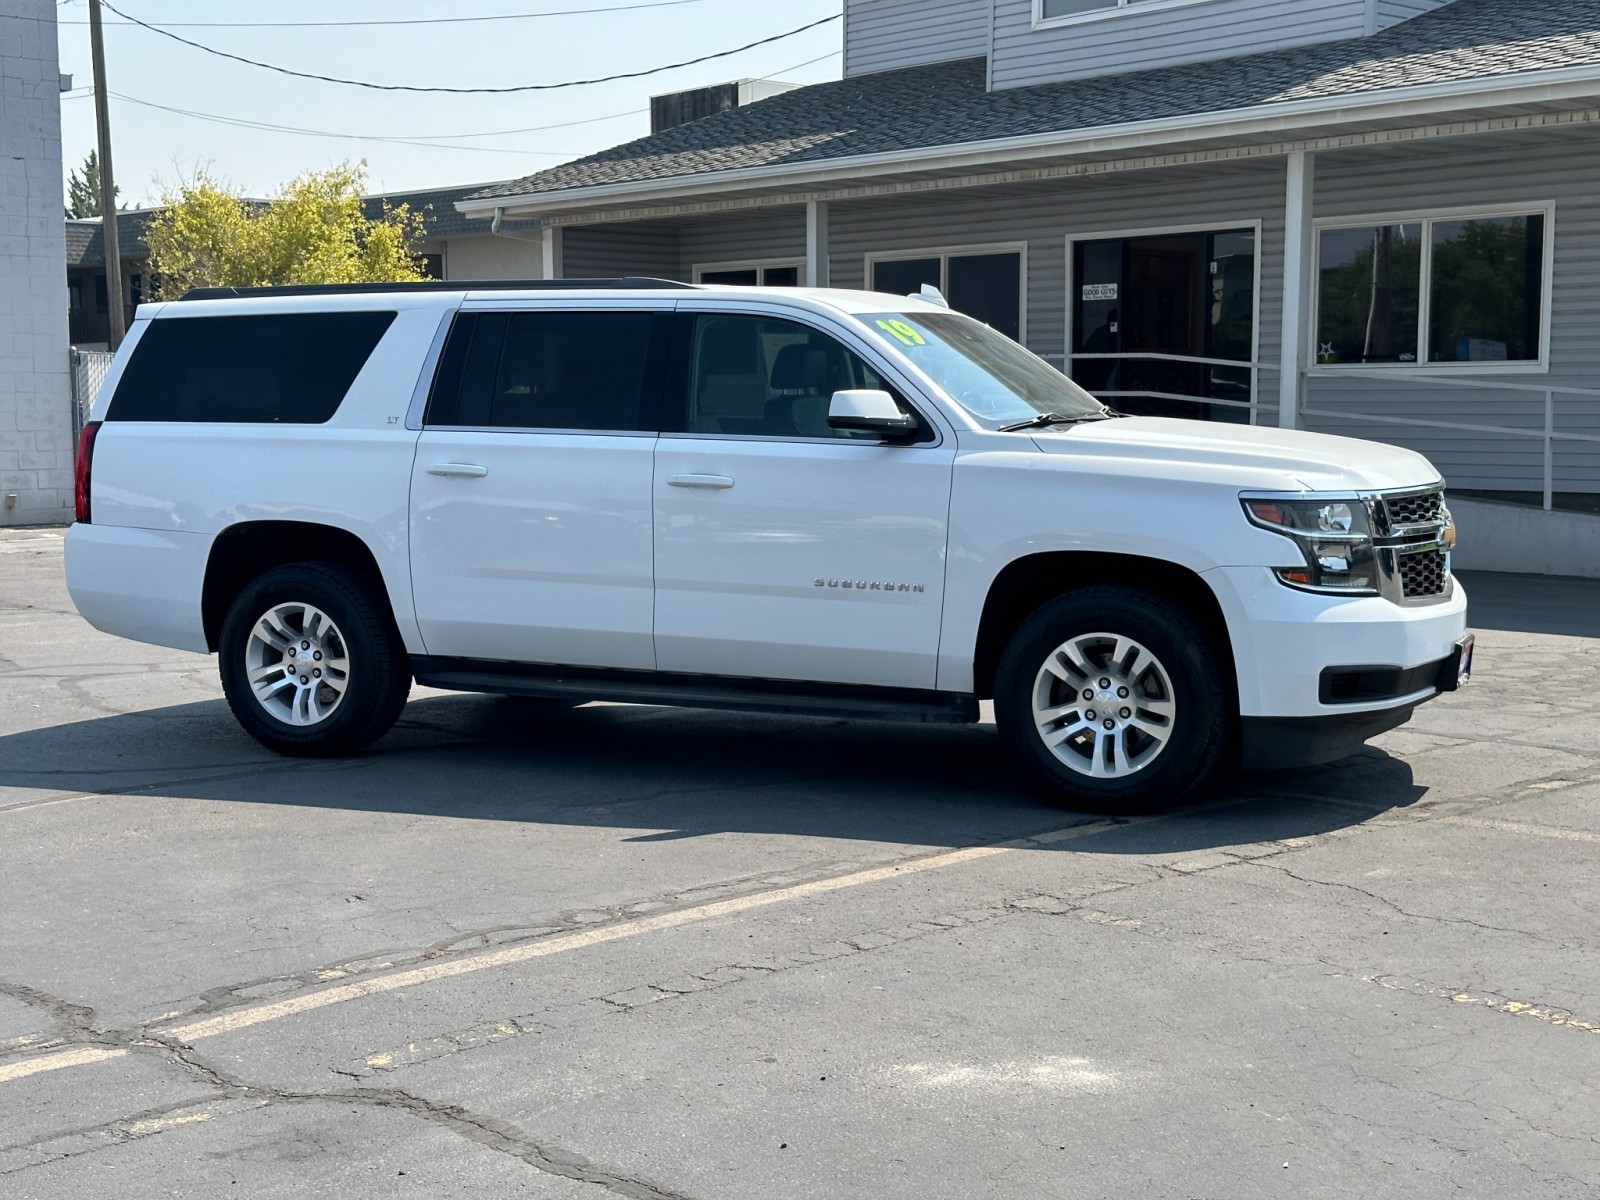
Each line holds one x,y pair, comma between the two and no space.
291,368
1487,276
905,277
989,287
1369,294
745,278
767,377
547,370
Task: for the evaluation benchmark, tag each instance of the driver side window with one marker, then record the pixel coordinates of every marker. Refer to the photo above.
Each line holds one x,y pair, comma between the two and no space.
769,377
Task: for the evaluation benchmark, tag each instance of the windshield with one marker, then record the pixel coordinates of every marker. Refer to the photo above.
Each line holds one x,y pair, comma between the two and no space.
985,372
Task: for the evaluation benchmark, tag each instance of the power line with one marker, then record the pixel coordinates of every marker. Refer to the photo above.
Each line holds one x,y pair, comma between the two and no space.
526,87
421,139
564,12
268,127
430,141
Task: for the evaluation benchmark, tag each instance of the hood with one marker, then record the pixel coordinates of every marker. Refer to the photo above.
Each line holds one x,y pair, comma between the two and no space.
1258,457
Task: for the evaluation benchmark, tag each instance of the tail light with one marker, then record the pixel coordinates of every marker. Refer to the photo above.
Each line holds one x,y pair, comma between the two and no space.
80,480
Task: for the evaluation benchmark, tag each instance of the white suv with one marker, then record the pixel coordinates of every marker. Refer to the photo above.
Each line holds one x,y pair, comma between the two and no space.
799,501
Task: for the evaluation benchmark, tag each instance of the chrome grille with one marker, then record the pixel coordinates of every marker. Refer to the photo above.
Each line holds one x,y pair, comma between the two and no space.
1422,574
1414,510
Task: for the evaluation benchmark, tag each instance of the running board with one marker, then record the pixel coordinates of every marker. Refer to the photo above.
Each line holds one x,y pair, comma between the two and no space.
696,691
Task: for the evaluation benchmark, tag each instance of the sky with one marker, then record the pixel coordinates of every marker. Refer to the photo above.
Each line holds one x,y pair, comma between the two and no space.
154,149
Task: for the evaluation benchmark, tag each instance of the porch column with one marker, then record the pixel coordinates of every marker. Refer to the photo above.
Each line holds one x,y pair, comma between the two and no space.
550,252
817,243
1297,257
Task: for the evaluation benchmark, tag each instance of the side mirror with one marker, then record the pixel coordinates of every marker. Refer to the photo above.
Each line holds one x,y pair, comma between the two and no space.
869,412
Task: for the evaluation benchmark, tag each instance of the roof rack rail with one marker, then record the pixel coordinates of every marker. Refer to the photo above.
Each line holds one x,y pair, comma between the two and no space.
628,282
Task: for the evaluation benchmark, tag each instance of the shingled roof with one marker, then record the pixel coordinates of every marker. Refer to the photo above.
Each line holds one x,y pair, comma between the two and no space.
946,104
437,207
86,240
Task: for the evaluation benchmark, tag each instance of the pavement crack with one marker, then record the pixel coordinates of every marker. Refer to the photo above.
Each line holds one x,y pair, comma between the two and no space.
1392,906
500,1136
78,1018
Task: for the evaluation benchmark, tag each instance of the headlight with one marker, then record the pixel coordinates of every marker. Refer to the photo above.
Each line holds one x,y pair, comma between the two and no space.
1333,536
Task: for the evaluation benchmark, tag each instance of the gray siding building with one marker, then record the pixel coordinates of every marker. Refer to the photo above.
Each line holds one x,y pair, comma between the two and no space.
1369,217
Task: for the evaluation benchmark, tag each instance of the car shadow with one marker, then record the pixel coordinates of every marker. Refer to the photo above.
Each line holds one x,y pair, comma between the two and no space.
657,774
1558,604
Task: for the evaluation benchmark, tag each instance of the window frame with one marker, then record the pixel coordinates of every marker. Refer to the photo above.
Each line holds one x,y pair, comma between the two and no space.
760,265
1119,8
1425,218
945,253
1255,224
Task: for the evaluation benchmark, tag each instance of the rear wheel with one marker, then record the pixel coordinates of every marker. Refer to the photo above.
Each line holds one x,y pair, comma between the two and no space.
1115,698
310,662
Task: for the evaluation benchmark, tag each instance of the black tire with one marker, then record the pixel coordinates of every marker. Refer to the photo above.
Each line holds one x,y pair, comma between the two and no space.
379,676
1196,735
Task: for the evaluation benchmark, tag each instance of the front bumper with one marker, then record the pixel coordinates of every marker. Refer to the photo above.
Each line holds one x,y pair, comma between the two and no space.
1285,640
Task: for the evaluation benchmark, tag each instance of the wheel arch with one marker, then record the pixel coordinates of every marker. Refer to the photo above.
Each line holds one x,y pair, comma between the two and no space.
1026,583
244,551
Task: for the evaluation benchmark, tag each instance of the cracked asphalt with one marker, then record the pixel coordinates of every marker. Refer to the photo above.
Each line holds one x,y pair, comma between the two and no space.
521,951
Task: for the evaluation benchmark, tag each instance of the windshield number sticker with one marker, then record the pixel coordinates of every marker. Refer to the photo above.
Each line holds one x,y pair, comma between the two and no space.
904,332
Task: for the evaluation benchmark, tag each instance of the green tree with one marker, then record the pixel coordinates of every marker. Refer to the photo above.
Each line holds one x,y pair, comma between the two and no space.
83,189
312,231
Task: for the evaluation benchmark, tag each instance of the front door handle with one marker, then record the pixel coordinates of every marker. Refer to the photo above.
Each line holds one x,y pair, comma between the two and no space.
714,482
464,470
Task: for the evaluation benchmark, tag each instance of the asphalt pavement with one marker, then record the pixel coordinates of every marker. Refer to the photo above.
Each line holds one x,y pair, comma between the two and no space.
517,950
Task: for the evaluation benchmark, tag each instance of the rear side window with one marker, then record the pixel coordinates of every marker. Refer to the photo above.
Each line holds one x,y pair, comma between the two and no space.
551,370
287,368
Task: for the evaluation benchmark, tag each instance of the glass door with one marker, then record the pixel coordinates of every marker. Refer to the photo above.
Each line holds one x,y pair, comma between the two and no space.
1164,324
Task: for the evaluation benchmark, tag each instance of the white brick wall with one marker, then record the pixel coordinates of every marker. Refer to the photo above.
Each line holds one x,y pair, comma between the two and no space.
35,414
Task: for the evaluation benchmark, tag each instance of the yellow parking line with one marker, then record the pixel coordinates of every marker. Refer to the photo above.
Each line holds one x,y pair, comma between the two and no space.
55,1062
244,1018
1548,831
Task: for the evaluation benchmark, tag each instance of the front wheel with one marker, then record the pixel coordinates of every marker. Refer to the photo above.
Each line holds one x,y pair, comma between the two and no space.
1116,699
310,663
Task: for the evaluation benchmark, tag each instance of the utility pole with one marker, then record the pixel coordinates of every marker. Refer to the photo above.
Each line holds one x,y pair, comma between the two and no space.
108,189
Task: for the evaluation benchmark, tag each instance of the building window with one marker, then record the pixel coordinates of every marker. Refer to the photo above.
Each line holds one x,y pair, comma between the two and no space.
1164,323
783,272
983,282
432,266
1050,10
1432,291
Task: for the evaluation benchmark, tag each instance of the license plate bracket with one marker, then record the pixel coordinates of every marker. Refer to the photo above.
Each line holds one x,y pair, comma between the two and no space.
1456,670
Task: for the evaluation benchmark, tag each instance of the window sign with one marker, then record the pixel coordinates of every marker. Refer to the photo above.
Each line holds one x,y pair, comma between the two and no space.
1099,291
1431,291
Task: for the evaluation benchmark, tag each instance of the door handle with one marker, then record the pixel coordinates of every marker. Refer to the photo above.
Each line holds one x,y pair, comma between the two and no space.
465,470
713,482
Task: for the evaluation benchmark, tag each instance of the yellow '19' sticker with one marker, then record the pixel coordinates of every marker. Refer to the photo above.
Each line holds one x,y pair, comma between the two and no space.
904,332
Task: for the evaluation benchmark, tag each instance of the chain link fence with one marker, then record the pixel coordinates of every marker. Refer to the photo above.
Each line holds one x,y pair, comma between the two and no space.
89,369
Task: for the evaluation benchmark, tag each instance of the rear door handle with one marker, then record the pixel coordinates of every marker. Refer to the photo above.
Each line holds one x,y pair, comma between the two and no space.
713,482
465,470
